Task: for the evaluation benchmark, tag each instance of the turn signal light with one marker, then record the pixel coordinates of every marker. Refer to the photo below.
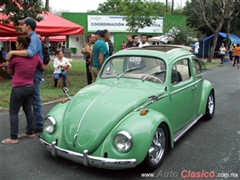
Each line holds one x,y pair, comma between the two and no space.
144,112
64,100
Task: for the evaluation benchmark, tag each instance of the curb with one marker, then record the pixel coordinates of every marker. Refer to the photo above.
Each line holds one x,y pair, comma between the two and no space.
5,110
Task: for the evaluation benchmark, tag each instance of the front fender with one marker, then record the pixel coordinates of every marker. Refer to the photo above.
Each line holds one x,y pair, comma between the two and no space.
57,112
141,128
207,88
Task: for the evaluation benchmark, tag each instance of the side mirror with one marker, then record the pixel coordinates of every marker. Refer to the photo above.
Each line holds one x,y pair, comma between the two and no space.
65,90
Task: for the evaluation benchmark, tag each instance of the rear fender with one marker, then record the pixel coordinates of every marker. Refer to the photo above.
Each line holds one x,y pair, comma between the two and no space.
141,128
207,88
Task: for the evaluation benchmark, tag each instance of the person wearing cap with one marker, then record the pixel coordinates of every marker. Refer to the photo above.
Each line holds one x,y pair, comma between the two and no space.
97,34
100,53
35,47
22,90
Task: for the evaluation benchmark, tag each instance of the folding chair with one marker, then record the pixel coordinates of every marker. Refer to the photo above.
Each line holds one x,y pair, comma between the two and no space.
60,80
48,67
1,66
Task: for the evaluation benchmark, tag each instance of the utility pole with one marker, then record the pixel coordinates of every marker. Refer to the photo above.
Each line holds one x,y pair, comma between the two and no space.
47,5
166,5
47,9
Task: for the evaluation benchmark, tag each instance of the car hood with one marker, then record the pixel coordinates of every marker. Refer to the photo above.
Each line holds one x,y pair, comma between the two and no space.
95,110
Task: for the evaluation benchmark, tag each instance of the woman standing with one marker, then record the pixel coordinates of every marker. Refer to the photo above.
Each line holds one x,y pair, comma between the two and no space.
222,50
60,64
23,70
231,53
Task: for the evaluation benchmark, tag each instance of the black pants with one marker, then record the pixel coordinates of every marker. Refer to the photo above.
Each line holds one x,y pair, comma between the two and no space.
88,73
236,59
21,96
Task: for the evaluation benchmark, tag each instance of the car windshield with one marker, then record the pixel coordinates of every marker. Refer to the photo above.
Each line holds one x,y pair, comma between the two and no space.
144,68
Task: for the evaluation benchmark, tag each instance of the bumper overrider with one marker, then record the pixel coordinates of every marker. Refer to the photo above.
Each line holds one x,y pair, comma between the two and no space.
86,159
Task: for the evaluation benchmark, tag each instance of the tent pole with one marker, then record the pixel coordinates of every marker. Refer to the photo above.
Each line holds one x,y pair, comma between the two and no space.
203,50
84,40
67,41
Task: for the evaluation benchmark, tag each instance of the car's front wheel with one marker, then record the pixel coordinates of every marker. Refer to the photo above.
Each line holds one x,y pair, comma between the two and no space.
157,149
210,107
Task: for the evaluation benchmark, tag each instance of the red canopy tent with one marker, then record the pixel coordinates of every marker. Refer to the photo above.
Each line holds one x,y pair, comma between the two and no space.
51,25
51,39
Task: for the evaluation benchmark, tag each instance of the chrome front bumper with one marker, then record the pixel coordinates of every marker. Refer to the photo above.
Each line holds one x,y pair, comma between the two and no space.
86,159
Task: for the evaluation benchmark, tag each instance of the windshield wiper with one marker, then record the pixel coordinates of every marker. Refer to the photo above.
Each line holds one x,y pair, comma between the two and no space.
154,73
129,70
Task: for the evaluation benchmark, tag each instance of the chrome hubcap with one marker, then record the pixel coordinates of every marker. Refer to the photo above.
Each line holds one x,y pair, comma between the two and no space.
210,104
157,147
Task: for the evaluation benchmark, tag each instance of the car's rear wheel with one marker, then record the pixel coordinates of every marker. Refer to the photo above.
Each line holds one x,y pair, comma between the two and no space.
157,149
210,107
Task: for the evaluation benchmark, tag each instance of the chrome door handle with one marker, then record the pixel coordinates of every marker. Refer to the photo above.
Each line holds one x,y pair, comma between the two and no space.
194,87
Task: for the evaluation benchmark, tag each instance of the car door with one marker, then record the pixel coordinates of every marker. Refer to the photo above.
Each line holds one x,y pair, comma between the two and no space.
181,93
198,69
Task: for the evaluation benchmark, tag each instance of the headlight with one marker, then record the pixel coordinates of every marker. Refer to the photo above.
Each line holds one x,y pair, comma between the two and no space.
123,141
49,124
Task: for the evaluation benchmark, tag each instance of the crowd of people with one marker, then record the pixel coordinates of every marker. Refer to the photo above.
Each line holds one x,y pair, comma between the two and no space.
100,47
96,51
133,41
26,88
234,54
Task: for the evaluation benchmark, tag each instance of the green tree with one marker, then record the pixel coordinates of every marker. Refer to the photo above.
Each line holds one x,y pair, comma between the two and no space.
21,9
182,35
111,6
213,14
137,13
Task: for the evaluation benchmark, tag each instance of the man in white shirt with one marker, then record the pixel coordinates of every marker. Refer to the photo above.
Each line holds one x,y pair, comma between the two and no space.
144,42
196,47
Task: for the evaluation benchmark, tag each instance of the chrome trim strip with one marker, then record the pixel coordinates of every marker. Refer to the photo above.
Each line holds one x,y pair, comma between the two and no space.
148,103
80,122
181,89
86,159
177,135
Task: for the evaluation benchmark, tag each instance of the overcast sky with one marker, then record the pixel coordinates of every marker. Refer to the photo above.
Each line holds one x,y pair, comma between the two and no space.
84,6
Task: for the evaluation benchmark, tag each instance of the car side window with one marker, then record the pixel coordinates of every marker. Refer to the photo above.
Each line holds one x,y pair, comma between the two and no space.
180,71
198,66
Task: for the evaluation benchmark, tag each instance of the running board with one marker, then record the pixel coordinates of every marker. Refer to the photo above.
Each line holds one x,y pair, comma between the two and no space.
177,135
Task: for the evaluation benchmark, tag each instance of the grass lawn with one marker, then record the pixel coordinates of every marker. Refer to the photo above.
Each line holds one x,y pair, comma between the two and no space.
76,75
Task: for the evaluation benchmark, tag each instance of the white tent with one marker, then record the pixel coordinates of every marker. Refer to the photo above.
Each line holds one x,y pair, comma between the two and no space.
166,37
162,38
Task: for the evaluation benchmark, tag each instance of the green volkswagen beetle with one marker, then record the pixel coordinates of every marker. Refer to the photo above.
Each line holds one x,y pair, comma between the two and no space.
143,101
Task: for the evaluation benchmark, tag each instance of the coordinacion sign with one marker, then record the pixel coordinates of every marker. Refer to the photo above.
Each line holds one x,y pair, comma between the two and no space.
118,24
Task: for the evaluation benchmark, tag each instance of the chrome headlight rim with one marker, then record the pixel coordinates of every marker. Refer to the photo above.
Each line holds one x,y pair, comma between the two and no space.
129,138
49,128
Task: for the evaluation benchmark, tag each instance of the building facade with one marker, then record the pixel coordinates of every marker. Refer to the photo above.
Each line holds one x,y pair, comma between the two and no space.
116,26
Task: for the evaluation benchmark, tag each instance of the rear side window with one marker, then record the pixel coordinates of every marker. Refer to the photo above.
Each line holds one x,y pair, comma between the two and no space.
198,66
180,71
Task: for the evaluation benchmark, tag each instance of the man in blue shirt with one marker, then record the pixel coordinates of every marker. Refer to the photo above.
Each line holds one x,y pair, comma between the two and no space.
35,46
100,53
4,53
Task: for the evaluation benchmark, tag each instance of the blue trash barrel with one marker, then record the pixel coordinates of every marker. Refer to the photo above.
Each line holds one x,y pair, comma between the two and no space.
226,58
